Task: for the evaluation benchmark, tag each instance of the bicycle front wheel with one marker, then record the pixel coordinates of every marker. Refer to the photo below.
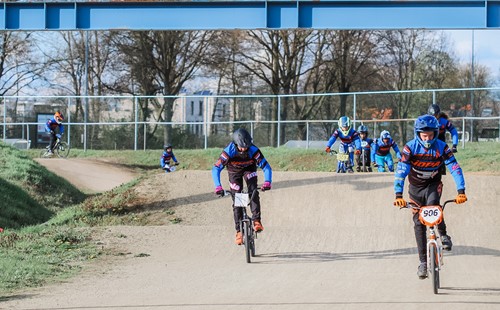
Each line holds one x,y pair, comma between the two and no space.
62,149
434,267
246,241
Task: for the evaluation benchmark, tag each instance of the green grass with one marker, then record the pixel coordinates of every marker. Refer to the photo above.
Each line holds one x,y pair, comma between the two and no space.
476,157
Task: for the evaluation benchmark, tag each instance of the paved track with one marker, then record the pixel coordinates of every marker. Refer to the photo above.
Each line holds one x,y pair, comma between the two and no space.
330,241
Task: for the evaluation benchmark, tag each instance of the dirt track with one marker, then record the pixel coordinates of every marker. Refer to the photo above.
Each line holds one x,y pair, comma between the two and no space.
330,241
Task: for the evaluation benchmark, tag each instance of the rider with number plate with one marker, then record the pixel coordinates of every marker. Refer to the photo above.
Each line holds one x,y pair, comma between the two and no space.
421,161
381,152
366,145
241,157
51,126
349,140
166,157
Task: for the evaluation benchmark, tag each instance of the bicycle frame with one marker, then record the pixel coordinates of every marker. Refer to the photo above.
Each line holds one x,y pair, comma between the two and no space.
242,200
343,161
431,216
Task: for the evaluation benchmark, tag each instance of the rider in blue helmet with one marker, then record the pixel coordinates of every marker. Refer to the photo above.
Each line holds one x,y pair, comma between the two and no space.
421,160
366,146
381,152
349,140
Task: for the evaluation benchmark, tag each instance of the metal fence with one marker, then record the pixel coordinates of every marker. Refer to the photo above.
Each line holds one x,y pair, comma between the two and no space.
203,121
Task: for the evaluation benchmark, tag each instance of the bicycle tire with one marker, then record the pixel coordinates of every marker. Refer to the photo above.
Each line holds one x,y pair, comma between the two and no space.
43,153
252,241
434,268
62,149
246,241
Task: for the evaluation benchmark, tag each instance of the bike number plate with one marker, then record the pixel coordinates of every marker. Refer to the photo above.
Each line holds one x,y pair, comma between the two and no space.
241,199
364,143
431,215
342,156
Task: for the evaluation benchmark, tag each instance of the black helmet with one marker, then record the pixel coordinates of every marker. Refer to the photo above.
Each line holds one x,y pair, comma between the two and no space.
167,146
242,138
433,109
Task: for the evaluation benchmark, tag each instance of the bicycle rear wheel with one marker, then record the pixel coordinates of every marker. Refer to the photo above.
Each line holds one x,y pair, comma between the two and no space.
246,241
434,267
62,149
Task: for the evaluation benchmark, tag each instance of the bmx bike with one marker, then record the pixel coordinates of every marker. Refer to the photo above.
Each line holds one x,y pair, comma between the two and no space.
170,168
243,200
343,161
364,158
61,149
431,216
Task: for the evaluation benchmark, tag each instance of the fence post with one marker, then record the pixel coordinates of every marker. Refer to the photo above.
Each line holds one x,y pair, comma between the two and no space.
463,132
279,121
205,119
354,110
145,136
69,121
307,135
251,128
4,119
136,129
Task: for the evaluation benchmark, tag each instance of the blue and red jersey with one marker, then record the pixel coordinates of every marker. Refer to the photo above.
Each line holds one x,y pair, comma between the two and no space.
351,137
51,125
236,161
381,148
167,157
445,124
422,165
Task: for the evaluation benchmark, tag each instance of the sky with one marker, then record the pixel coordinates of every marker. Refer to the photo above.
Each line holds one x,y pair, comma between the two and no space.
486,47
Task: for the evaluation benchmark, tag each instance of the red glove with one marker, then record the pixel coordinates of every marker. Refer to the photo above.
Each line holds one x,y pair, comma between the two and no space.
357,152
266,186
328,150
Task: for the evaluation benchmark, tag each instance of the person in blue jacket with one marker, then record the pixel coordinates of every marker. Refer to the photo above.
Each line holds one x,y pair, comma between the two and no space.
444,125
166,157
349,138
421,160
381,152
366,146
242,157
54,124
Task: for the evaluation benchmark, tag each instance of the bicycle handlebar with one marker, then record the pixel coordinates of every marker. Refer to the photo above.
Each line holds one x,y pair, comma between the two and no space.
411,205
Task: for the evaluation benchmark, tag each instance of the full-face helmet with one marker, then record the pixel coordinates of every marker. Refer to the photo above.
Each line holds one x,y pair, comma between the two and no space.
242,138
426,123
344,125
362,129
434,109
58,117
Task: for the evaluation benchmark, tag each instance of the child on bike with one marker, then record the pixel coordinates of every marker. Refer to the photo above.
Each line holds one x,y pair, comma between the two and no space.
349,140
444,125
381,153
51,126
165,158
242,157
422,158
366,145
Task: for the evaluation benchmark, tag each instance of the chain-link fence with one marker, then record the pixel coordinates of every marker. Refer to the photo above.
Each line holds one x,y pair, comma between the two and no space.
203,120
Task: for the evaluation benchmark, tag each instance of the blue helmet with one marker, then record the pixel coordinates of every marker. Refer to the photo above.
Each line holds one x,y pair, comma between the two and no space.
363,129
344,121
426,123
385,135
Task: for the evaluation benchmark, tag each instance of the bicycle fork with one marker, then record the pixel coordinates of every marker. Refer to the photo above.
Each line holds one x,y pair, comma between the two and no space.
439,251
